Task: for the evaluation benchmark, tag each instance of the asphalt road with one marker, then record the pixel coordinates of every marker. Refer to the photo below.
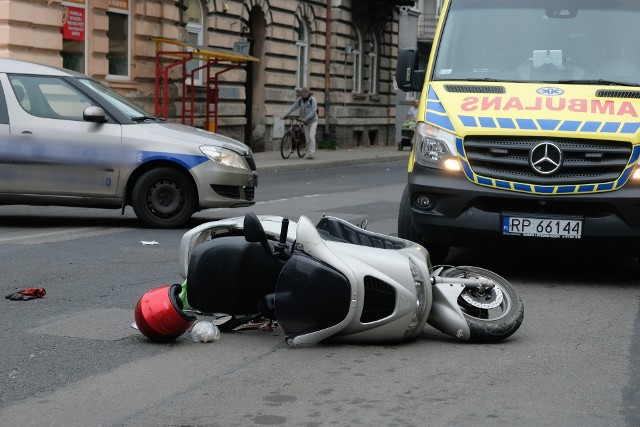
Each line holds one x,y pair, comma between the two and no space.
72,358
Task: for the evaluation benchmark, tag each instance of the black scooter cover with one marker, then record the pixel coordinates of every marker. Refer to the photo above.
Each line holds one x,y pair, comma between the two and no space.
230,275
310,296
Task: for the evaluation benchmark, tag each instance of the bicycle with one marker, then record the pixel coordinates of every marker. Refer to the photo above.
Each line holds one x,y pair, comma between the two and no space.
293,139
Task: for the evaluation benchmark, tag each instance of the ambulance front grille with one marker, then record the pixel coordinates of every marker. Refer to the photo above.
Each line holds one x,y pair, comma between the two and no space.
474,89
584,161
608,93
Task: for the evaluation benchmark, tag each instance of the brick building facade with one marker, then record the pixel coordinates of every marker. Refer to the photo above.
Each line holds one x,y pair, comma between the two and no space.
343,50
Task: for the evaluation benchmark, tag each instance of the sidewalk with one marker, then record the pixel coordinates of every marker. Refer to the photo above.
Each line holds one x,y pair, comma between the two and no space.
272,161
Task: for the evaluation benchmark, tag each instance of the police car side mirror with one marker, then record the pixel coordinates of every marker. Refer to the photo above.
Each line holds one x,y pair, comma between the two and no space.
94,114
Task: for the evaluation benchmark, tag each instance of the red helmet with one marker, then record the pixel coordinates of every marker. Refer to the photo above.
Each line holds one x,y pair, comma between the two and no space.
159,314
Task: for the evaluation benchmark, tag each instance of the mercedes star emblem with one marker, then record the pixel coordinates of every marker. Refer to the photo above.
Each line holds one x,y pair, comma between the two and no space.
545,158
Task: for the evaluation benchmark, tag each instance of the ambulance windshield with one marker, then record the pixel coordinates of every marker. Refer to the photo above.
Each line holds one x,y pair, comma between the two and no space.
572,41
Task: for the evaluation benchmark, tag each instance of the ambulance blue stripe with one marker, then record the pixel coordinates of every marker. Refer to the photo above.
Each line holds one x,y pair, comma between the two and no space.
604,187
624,177
630,128
186,160
460,147
570,126
548,124
431,96
527,124
522,187
487,122
543,189
634,154
467,170
546,189
441,121
590,127
435,106
484,181
468,121
505,123
566,189
611,127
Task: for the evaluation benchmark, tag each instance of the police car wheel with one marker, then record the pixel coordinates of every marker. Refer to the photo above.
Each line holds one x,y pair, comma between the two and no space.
163,198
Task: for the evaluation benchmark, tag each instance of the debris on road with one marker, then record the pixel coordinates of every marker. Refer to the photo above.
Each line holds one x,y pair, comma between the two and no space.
26,294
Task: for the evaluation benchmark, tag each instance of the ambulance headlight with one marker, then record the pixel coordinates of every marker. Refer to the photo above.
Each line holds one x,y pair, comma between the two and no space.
435,148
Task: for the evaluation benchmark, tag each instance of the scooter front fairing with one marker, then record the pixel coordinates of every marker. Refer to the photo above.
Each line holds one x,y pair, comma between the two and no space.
382,292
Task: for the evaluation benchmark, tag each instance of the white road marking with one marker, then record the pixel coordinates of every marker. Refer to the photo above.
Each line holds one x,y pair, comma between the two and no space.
61,235
308,196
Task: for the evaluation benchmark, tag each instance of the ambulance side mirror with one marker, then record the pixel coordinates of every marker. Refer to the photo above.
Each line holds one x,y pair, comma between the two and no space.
409,76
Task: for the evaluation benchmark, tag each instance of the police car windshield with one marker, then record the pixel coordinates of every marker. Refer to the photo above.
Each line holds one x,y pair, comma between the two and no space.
589,41
121,103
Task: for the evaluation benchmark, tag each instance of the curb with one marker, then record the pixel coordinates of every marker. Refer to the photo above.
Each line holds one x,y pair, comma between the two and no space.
269,166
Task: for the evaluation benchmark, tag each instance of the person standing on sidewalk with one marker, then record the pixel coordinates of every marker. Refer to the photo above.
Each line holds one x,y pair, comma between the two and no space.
309,118
412,114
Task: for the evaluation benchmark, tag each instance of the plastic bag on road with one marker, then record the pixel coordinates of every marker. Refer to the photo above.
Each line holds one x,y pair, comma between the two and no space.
205,331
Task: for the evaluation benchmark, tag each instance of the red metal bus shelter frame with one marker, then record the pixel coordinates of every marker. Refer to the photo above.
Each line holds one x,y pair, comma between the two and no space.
173,53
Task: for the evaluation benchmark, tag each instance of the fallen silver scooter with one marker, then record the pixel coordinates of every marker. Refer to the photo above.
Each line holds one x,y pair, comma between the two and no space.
338,281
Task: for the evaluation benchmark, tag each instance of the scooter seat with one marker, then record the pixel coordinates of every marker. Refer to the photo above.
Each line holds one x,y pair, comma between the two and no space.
230,275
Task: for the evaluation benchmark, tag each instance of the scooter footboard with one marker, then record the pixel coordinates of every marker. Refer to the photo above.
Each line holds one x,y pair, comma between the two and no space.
230,275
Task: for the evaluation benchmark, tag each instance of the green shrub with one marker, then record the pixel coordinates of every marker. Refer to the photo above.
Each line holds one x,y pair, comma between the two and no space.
327,144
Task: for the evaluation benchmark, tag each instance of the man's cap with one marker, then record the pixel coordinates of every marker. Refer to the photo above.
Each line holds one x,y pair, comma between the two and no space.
304,90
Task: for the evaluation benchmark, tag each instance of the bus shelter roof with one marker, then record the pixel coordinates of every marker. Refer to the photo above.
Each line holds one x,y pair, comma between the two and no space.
204,53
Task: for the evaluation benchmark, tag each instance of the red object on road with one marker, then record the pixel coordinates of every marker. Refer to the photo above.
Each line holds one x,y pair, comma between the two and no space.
26,294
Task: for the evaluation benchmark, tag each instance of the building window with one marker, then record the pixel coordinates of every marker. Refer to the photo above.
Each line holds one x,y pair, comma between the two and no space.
195,37
373,64
73,36
357,62
303,53
118,56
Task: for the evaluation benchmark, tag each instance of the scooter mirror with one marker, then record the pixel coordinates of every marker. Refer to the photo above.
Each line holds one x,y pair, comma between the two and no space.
253,231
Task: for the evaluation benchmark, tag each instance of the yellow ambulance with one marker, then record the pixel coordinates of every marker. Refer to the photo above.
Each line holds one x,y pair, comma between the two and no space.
528,133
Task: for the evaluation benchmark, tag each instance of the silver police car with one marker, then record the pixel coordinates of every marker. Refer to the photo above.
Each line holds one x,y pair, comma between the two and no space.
68,140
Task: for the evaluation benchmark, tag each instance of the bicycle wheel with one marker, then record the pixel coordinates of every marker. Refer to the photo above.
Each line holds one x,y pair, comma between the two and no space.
286,146
301,145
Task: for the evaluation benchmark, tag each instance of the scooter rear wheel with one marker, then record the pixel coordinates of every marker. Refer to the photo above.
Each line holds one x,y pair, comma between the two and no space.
493,314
